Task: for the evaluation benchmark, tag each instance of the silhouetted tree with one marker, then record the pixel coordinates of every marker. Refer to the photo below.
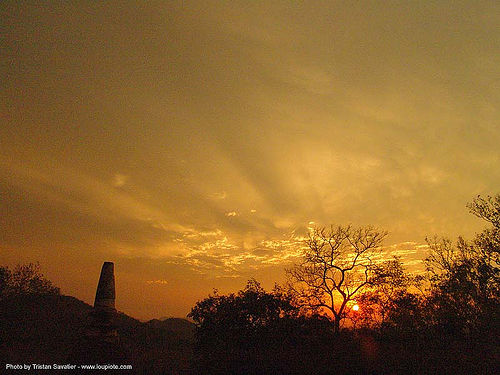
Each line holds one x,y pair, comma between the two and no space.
5,275
487,208
233,332
488,241
23,280
337,264
250,307
389,287
256,332
465,277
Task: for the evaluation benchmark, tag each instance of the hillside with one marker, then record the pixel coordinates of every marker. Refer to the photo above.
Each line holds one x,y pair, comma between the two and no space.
47,328
184,328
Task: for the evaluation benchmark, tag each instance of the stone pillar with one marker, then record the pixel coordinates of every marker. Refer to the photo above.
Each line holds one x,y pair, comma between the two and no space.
102,326
105,294
100,343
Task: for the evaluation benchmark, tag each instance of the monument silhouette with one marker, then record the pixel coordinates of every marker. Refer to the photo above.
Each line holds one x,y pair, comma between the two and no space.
102,327
100,343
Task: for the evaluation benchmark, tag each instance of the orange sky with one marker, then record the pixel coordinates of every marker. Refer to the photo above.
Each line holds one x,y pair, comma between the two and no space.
193,143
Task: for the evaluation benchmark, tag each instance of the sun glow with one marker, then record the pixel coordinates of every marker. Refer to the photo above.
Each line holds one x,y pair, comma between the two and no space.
355,307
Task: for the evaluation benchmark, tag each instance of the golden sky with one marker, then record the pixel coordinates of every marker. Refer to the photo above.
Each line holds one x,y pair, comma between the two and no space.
193,143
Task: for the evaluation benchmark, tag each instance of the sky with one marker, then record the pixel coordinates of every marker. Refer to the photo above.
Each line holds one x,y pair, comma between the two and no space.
194,143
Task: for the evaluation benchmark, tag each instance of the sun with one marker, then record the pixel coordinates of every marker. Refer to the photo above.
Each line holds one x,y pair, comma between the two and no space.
355,307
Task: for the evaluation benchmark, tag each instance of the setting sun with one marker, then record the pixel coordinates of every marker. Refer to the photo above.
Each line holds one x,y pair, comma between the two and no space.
355,307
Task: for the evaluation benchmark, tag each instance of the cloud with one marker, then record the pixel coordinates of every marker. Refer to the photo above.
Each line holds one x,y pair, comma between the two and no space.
217,196
119,180
157,282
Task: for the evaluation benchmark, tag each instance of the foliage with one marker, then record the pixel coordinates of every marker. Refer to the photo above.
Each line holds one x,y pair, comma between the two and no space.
258,332
379,306
239,318
250,307
488,241
465,277
487,208
337,264
25,279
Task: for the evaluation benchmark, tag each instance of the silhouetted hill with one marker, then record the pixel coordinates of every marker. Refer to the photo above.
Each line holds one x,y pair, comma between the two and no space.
46,328
183,327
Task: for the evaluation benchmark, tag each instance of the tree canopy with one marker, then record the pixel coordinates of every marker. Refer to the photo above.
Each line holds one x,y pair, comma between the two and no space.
25,279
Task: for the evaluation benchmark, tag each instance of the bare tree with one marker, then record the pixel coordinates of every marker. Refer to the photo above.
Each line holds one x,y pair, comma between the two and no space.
337,264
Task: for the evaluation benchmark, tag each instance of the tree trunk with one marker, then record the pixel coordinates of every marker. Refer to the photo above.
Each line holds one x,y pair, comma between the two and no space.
336,325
